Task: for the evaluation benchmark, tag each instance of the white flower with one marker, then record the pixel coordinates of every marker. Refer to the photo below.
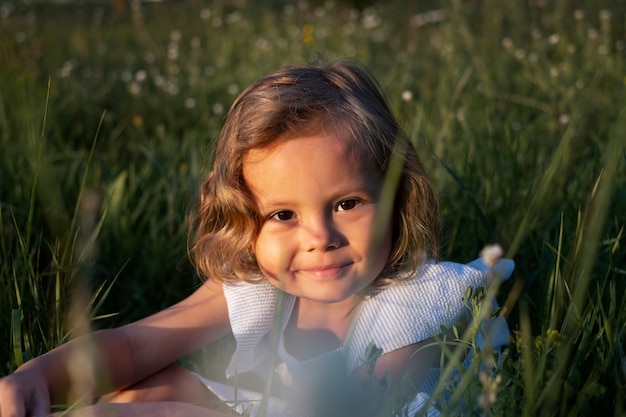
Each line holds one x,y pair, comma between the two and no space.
218,108
553,39
190,103
604,14
407,95
491,254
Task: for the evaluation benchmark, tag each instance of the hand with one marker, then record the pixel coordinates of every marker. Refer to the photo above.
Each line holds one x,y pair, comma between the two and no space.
24,394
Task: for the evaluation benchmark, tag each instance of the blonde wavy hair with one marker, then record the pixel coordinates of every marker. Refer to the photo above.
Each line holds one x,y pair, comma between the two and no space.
297,101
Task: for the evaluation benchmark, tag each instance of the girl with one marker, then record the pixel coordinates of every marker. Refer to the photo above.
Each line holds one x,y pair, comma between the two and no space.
317,232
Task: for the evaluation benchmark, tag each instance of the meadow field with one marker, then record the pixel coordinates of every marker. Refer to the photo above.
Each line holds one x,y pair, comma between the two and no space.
108,114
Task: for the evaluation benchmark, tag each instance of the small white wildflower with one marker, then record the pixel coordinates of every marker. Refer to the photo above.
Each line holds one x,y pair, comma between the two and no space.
6,10
233,17
190,103
553,39
554,71
218,108
432,16
571,48
490,389
564,119
520,54
205,13
604,14
491,254
141,75
134,88
370,20
172,88
407,95
535,33
233,89
172,52
159,80
579,14
603,50
507,43
175,36
66,70
263,44
592,33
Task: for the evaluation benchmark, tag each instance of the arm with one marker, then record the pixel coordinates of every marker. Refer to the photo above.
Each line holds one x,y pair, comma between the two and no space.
398,375
407,366
124,355
154,409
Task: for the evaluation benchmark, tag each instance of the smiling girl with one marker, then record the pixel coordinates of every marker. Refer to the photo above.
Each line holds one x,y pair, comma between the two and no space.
313,253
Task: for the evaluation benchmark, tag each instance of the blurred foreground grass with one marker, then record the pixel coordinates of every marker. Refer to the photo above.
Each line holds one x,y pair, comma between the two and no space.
107,119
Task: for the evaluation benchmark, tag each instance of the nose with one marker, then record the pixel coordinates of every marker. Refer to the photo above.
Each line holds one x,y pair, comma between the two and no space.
320,234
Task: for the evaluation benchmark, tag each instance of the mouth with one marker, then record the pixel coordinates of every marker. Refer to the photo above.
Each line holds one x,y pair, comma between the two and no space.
325,271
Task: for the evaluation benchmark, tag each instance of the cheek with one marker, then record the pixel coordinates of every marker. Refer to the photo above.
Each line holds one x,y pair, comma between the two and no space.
380,249
269,254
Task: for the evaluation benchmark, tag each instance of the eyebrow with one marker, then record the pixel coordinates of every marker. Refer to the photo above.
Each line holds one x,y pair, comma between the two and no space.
369,188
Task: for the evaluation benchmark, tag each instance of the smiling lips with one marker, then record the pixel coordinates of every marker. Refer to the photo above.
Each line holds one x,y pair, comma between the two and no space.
325,271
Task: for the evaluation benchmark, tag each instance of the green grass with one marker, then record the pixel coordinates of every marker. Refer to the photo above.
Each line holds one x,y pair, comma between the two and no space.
107,120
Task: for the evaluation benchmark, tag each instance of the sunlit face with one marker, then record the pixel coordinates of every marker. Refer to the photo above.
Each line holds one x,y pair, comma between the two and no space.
318,207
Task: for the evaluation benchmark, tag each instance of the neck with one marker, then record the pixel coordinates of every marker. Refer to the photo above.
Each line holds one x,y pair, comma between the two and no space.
316,328
329,316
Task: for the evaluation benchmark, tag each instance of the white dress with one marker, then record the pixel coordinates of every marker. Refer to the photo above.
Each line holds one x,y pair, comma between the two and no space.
401,314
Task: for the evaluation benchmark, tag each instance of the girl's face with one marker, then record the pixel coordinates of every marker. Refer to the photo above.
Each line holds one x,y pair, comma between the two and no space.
318,206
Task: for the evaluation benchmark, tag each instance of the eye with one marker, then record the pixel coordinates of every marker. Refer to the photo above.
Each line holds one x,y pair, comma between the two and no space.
347,204
283,215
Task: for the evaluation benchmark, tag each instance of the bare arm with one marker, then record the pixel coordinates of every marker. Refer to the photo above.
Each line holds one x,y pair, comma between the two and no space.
160,409
118,357
397,376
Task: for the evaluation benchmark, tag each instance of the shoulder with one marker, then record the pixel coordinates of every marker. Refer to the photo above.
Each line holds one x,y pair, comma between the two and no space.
253,309
437,288
414,308
250,305
433,296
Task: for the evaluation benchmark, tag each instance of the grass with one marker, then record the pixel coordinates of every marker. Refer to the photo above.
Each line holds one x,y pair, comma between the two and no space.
107,118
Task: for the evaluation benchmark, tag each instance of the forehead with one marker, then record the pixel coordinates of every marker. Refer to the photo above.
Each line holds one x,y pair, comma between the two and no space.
307,164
